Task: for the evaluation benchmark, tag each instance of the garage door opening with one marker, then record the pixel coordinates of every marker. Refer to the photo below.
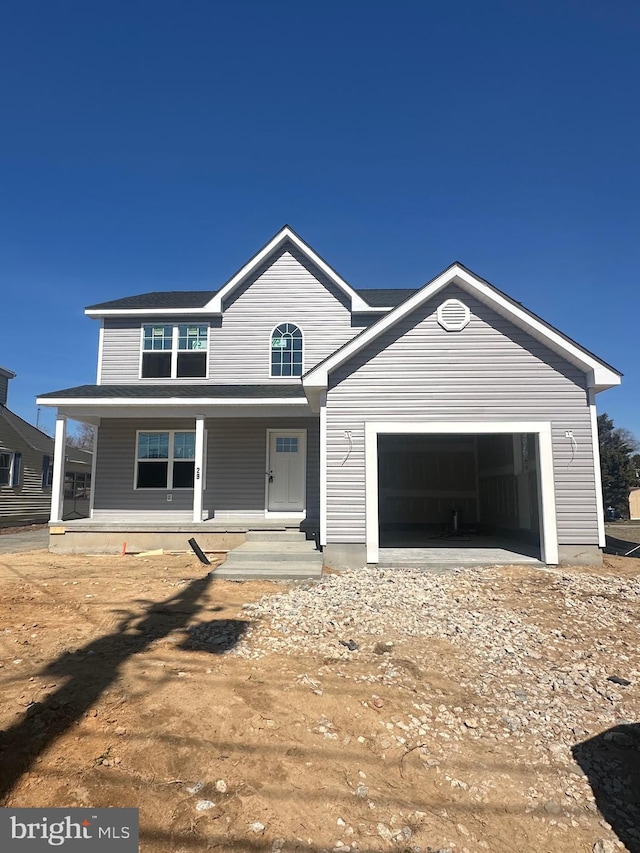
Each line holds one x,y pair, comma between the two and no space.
459,492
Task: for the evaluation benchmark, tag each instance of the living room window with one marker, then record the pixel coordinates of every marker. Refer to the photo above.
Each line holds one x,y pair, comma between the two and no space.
165,460
174,351
286,350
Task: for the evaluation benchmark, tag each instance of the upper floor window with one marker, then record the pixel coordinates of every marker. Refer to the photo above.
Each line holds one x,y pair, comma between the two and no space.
174,351
286,350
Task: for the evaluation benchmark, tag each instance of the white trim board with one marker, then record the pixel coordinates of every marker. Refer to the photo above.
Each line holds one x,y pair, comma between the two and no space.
599,374
595,443
547,496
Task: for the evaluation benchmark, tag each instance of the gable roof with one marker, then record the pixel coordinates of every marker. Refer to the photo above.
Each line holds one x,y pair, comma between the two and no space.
8,374
286,235
600,374
211,301
34,437
40,441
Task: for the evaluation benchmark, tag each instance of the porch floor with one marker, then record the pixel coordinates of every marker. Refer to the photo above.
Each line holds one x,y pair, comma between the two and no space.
162,525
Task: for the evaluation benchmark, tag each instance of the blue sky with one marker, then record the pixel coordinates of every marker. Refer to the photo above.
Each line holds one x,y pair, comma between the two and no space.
157,145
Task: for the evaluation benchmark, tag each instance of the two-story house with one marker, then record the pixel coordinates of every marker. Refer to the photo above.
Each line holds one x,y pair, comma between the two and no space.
370,418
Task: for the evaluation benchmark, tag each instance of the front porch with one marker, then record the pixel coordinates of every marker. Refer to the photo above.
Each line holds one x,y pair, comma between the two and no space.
124,533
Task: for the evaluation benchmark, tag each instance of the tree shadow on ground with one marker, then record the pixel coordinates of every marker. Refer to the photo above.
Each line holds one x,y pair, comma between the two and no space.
90,670
611,761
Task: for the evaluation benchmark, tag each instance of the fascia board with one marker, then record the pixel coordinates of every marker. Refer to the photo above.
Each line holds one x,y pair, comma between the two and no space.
147,312
597,372
357,303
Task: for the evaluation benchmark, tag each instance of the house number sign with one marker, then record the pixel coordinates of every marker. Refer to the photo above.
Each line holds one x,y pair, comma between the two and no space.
197,473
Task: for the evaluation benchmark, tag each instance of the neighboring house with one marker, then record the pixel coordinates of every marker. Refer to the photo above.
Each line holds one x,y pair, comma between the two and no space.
369,417
26,468
634,505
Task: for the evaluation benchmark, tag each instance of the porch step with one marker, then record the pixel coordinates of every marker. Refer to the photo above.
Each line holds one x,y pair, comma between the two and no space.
292,535
289,559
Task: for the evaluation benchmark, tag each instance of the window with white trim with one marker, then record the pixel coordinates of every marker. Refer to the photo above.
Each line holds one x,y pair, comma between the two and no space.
165,460
286,350
174,351
10,468
6,467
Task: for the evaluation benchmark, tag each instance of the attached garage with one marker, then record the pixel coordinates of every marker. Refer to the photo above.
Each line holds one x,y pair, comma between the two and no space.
459,414
466,484
459,491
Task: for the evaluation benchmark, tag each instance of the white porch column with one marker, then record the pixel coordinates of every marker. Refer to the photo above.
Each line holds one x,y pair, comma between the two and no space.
323,469
57,484
198,477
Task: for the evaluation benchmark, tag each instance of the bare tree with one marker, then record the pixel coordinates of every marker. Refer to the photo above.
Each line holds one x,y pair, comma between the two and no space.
82,438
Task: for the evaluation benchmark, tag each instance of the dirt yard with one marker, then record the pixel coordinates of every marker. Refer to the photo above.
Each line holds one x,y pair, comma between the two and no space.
478,715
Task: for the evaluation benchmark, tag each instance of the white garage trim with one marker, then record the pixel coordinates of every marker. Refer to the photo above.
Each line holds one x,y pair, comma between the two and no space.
323,468
547,496
595,441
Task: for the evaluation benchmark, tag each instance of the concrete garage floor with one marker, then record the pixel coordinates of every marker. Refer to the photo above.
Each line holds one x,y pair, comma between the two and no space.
462,551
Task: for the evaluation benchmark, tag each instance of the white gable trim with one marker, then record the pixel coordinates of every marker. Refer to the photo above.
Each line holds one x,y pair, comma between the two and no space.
285,234
600,376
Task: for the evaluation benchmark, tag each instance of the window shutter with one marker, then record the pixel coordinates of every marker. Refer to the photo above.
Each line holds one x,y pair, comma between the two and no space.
17,469
46,464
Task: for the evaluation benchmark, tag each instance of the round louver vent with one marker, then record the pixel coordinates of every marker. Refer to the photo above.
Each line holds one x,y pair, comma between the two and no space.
453,315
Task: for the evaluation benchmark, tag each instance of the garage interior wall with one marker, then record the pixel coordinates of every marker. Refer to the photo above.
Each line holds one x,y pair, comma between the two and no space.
490,481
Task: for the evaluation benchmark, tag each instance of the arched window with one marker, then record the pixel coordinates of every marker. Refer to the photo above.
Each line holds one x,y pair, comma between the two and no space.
286,350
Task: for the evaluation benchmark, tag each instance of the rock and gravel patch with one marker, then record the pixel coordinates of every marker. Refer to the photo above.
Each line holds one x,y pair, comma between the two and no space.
552,662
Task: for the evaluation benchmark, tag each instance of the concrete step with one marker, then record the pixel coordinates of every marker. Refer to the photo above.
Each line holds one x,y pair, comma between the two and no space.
275,536
275,552
254,570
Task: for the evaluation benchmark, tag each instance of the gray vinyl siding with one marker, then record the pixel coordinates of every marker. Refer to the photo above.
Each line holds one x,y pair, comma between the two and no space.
490,371
28,501
236,460
115,469
284,290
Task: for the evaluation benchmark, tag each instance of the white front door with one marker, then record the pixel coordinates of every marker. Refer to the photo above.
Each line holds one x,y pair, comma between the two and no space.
286,469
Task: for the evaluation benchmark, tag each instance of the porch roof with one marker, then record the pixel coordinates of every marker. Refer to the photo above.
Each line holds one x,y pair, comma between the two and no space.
91,403
167,392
